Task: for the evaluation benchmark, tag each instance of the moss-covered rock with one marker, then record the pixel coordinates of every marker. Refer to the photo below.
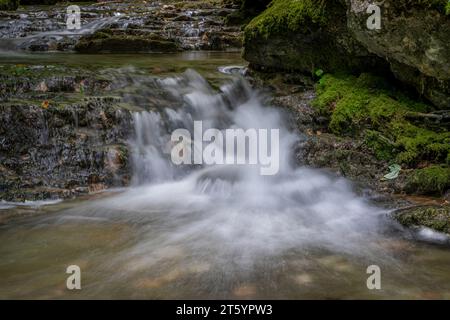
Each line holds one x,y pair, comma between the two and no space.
61,146
248,9
392,125
433,217
118,41
9,4
432,180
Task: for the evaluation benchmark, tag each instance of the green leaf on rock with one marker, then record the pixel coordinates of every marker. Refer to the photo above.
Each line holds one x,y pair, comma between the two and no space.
394,171
319,73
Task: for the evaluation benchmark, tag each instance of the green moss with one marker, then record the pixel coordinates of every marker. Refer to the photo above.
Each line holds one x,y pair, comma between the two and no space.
383,148
287,15
367,106
447,8
417,143
358,102
434,217
432,180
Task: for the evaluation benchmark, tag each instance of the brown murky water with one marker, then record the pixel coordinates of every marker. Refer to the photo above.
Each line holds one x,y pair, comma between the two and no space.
36,251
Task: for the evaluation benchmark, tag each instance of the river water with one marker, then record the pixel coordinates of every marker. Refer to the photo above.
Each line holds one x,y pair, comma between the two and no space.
214,231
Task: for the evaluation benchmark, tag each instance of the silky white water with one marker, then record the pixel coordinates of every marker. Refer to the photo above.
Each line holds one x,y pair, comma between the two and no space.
231,214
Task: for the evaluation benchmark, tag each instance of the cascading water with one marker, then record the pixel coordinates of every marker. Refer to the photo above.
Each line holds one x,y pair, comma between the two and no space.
217,231
230,214
60,32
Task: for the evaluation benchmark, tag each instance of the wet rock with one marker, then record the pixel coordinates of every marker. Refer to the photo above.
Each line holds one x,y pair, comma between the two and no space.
351,155
433,217
314,37
133,25
62,151
105,41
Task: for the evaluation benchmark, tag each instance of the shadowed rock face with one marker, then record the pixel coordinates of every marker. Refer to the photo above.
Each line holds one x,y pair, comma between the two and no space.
414,40
413,43
303,41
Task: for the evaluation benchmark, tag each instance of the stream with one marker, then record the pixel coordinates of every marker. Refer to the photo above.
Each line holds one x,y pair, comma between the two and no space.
218,231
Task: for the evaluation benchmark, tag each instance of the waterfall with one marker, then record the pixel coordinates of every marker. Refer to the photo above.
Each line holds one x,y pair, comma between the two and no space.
219,211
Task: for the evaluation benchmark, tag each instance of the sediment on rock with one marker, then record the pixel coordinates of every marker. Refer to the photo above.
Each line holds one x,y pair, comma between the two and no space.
434,217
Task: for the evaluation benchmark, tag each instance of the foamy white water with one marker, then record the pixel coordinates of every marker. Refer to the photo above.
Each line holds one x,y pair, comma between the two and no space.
232,210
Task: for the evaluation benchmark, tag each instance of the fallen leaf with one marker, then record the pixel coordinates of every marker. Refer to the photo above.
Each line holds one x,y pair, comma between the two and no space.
45,104
394,171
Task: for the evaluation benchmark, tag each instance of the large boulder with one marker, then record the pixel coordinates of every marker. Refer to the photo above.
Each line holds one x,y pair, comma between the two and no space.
414,38
413,43
304,36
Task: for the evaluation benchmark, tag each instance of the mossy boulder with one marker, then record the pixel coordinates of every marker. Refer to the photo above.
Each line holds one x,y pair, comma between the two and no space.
118,41
9,4
433,217
304,35
413,43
